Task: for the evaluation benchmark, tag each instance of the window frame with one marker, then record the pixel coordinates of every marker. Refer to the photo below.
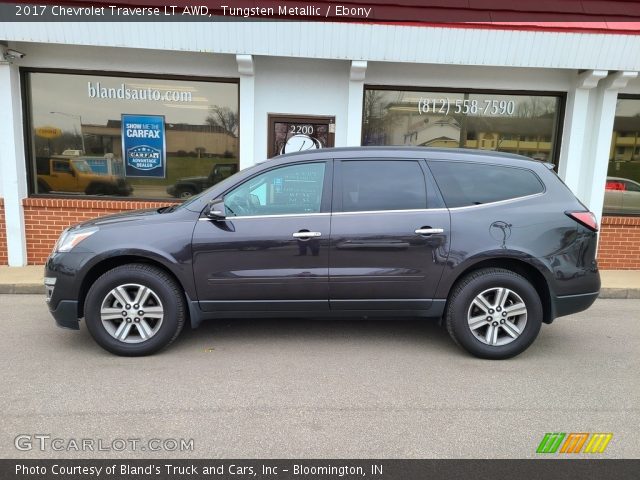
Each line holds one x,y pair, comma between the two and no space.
25,88
556,134
338,185
327,186
621,213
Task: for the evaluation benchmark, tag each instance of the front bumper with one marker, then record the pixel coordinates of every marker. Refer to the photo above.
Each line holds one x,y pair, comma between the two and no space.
66,314
60,279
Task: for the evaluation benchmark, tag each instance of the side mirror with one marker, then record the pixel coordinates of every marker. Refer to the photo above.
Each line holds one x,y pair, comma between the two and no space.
216,209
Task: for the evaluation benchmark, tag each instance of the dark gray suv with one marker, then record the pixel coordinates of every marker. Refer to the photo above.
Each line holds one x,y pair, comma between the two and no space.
492,244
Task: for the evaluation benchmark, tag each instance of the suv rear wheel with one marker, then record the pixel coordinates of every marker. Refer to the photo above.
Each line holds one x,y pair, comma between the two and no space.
494,313
134,310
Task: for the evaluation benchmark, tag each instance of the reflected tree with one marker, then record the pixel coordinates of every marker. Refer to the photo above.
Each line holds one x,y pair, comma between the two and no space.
224,118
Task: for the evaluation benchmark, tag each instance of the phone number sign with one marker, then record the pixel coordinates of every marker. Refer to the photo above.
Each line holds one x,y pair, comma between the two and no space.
144,146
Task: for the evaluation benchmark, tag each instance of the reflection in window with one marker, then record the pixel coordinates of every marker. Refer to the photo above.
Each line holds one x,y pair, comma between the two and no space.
382,185
76,122
464,184
622,190
295,189
522,124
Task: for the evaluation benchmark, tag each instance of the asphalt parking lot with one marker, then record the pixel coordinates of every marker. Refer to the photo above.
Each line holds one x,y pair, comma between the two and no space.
314,389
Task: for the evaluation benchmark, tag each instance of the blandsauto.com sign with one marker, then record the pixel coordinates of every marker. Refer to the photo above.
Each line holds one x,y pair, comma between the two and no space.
126,92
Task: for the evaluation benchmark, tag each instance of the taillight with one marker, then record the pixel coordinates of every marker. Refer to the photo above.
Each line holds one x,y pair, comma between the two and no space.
588,219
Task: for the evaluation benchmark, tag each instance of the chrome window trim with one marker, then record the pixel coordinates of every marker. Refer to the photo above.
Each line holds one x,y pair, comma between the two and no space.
367,212
284,215
416,210
499,202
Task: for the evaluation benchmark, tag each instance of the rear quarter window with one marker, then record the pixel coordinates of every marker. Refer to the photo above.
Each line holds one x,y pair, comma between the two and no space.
463,184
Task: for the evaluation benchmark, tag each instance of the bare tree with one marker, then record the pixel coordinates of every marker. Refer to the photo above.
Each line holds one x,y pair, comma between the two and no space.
223,117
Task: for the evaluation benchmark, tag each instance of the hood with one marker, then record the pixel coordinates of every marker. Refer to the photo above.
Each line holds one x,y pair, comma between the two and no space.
191,179
130,216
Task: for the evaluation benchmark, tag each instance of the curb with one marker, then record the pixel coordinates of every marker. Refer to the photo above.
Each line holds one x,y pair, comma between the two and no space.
32,288
37,288
619,293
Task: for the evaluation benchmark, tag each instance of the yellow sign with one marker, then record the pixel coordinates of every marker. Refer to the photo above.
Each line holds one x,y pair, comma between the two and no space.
48,132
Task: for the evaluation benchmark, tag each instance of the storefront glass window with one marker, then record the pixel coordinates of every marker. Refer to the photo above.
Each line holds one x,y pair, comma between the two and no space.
622,190
130,137
522,124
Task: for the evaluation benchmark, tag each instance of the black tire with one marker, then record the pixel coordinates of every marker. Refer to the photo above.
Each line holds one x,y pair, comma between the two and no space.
459,306
43,187
97,189
185,193
163,287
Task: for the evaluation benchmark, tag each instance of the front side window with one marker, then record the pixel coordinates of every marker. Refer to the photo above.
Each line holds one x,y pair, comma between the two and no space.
62,167
294,189
374,185
523,124
123,136
463,184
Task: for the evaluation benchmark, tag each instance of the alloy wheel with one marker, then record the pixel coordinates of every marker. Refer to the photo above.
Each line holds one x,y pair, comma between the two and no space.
497,316
131,313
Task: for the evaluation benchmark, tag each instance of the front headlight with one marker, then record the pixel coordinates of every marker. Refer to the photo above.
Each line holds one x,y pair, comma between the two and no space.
70,238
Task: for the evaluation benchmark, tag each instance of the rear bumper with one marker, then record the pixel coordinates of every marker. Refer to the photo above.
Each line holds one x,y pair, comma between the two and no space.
569,304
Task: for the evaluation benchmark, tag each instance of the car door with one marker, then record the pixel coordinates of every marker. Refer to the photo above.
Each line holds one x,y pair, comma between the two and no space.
62,178
613,195
389,236
631,197
270,252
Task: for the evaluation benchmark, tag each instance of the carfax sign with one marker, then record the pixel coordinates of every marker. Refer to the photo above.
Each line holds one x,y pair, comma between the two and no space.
143,145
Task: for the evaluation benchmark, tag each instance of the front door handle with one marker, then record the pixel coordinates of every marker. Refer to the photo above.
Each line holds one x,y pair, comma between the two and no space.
429,231
306,235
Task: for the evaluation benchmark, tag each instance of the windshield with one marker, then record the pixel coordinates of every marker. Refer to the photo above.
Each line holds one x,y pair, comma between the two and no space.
224,184
81,166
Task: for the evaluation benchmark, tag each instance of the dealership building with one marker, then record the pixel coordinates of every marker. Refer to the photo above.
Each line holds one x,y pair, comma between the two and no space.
101,117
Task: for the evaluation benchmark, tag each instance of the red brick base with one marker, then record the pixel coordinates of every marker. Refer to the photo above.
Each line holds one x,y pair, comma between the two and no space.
619,247
3,236
45,218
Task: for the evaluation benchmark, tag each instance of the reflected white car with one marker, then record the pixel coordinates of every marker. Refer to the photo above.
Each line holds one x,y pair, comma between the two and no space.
621,195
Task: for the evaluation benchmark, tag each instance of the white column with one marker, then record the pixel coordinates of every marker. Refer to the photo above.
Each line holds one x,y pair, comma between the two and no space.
13,173
576,121
605,112
354,110
247,110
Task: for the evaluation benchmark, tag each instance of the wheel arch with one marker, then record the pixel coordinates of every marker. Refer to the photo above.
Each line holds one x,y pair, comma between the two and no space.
110,263
525,269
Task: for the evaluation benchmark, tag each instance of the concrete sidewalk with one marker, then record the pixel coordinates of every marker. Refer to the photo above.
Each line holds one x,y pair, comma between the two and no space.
615,283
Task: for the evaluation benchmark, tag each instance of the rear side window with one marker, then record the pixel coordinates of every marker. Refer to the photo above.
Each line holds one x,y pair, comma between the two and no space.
463,184
382,185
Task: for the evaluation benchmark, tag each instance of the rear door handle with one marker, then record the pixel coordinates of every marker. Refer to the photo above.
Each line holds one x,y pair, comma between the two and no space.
429,231
306,234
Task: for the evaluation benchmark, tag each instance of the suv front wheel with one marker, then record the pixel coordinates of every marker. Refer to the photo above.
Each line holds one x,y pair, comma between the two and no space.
494,313
135,310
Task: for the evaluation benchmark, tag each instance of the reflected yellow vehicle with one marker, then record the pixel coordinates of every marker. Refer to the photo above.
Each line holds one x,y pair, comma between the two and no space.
74,175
